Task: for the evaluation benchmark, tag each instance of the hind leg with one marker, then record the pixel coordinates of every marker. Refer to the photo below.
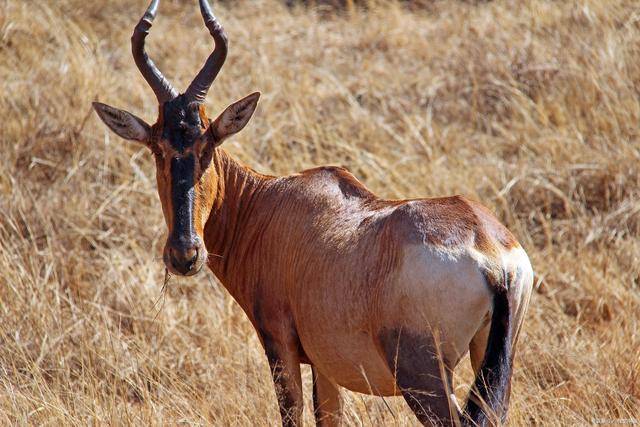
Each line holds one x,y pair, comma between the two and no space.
421,376
327,402
478,346
477,349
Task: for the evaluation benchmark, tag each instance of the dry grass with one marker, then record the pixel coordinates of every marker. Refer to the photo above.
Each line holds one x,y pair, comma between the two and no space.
532,107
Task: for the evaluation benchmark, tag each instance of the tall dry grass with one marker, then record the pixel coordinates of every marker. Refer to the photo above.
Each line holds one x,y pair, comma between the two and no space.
530,106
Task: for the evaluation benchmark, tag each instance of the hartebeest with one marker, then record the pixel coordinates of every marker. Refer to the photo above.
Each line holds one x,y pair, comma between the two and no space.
379,296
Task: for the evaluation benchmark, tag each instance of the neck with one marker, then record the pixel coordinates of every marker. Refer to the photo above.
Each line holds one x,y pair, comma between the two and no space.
233,219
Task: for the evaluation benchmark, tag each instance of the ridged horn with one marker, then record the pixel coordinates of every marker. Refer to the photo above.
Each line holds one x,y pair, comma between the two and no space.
161,87
197,91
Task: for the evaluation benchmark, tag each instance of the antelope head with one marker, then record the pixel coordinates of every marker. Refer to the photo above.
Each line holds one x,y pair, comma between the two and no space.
182,141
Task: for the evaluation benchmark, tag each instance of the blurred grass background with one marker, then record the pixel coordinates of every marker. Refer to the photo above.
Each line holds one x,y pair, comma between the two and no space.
532,107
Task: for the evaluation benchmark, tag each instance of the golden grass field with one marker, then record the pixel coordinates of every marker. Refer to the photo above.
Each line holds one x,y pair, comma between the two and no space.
532,107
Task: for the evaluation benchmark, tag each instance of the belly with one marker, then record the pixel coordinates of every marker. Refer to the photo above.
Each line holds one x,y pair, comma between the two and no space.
351,360
333,321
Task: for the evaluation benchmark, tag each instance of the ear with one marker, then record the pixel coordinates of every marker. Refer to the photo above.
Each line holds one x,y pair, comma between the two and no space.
123,123
234,118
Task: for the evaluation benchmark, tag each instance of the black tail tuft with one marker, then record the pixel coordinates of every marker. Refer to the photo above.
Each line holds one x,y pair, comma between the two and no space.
488,400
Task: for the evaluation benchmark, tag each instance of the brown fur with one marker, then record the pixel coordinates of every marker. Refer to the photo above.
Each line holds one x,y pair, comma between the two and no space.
332,275
328,273
272,239
362,288
251,210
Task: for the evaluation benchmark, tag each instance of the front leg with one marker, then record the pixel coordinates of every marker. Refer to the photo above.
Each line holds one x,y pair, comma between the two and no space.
285,368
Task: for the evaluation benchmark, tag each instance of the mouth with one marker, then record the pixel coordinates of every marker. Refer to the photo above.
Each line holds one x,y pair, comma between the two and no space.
193,271
184,273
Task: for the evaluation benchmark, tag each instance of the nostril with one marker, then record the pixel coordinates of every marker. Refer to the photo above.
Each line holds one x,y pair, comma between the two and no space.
183,260
192,258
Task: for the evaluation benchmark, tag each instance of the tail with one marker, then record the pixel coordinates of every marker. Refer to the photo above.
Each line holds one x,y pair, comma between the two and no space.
489,397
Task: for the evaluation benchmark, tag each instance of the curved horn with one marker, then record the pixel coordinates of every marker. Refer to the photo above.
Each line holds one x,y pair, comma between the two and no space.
198,89
161,86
